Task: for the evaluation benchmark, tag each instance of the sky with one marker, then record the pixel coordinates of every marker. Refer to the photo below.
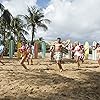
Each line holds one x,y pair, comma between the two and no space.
70,19
43,3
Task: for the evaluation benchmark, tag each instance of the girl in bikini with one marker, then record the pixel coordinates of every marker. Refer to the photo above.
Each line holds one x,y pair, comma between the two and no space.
25,53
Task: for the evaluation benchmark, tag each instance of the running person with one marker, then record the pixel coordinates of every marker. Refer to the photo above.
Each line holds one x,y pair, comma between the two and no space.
97,47
52,52
77,54
58,53
82,51
30,55
25,53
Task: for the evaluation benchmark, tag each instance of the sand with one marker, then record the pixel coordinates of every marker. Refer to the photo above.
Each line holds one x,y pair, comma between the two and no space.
43,81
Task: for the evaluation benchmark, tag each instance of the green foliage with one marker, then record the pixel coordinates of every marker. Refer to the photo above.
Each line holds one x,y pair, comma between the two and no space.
39,45
10,25
35,19
1,7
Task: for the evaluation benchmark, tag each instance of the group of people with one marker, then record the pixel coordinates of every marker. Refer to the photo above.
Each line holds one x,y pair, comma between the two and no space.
77,52
27,53
26,50
56,52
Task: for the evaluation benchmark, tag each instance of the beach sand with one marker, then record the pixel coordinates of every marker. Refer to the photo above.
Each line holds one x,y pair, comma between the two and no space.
43,81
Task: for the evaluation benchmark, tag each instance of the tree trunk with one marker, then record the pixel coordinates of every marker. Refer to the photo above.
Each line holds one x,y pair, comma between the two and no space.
4,39
33,29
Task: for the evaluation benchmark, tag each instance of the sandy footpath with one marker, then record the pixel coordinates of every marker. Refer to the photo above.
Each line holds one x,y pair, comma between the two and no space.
43,81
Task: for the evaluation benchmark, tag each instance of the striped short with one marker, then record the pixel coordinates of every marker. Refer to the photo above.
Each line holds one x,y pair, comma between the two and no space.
58,56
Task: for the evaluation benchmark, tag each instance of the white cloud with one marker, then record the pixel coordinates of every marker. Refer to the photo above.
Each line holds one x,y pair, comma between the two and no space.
18,6
77,20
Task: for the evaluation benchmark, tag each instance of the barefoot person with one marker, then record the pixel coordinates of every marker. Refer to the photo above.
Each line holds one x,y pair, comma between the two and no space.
72,50
52,52
25,53
98,52
30,54
77,53
97,47
1,53
82,51
58,53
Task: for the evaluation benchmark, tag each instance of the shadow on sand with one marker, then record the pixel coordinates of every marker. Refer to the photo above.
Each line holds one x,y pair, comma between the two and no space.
71,89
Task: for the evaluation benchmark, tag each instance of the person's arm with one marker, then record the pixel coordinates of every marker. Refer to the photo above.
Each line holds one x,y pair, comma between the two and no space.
50,49
94,47
3,50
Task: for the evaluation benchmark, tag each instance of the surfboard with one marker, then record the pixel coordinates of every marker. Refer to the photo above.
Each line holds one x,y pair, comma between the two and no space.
94,56
86,47
69,51
0,41
36,50
1,49
18,52
43,47
11,48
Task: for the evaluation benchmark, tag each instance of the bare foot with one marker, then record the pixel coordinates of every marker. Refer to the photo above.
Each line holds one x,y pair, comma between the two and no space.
61,70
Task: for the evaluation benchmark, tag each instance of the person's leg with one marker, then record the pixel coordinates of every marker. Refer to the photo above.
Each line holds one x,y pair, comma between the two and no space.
31,59
27,61
52,56
72,55
82,59
59,65
78,62
1,56
22,61
31,62
99,61
2,62
58,60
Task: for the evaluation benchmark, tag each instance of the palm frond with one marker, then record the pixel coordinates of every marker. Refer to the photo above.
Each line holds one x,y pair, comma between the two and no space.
6,16
1,7
45,21
43,26
25,32
34,19
30,11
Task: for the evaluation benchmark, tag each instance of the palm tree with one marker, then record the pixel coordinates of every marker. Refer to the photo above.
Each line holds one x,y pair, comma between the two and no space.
7,17
2,26
5,20
1,8
35,19
17,28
